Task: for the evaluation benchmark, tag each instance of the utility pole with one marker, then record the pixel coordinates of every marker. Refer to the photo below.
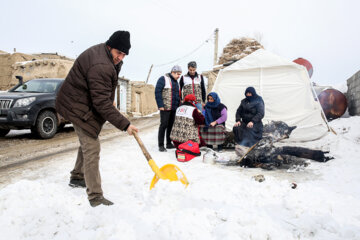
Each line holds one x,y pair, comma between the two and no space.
216,33
149,73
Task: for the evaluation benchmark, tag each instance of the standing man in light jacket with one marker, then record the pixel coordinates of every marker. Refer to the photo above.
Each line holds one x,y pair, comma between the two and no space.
167,95
86,99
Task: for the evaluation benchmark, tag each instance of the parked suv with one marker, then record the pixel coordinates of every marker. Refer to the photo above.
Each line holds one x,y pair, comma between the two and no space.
31,105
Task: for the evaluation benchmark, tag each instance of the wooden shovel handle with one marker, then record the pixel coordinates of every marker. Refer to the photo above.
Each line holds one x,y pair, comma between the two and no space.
151,162
251,148
142,146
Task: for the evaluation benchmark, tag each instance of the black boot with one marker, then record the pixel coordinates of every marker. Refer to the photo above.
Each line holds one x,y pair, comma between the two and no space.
77,183
162,149
170,146
100,200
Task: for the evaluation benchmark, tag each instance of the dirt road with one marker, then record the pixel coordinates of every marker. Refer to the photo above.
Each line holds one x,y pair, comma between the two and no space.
22,154
19,149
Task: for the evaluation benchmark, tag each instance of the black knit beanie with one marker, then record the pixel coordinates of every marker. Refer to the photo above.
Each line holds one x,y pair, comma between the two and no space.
120,40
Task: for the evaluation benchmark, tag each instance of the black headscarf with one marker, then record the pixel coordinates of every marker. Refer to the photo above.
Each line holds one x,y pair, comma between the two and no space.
253,92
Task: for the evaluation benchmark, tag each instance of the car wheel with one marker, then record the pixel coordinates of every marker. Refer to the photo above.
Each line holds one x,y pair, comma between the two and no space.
46,125
3,132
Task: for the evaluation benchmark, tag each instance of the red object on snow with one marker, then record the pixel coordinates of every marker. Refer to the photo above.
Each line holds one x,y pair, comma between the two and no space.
333,102
306,64
187,151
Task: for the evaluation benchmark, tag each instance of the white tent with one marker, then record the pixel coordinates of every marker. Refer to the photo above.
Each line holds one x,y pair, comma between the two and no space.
285,87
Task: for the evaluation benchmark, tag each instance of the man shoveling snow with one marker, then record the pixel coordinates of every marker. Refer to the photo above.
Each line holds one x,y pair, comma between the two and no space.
86,99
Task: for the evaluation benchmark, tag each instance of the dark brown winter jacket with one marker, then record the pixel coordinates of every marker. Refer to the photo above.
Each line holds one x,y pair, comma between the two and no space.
87,94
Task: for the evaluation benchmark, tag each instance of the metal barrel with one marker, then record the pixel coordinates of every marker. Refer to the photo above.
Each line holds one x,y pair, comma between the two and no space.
333,102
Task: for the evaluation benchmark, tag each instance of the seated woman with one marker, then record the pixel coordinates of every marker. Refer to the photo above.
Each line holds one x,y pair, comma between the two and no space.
248,128
215,117
187,121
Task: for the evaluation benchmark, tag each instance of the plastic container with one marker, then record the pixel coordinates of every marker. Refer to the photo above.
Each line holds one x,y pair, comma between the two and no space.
305,63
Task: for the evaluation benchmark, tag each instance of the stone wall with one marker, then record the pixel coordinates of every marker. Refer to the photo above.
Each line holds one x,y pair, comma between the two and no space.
235,50
353,94
238,48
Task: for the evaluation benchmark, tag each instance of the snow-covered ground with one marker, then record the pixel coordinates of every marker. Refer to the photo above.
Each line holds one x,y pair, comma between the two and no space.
220,202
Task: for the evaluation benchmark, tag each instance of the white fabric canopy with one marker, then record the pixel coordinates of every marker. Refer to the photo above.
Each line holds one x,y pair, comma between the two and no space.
285,87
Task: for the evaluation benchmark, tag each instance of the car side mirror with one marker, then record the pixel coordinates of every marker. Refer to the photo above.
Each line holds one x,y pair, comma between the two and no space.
20,78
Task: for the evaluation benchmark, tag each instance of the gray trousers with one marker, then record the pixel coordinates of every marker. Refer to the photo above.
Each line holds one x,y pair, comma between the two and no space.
87,163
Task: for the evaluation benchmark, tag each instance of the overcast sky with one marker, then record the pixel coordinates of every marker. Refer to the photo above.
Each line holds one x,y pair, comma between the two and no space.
326,32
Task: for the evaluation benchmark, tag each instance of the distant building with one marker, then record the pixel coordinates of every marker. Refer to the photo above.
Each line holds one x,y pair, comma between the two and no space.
131,97
211,76
123,95
43,65
142,99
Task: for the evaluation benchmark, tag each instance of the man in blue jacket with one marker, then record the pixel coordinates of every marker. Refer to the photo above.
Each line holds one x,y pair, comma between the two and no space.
167,96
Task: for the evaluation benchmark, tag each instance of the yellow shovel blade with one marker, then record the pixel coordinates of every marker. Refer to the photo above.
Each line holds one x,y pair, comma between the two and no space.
170,172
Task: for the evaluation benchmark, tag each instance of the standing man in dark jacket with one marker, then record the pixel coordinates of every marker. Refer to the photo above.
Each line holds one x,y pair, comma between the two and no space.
167,96
193,83
86,99
248,128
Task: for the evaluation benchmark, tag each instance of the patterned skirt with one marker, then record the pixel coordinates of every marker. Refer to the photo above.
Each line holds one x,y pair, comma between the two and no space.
213,135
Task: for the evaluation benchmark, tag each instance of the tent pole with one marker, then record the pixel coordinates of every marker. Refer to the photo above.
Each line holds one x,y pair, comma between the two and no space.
147,79
322,111
216,33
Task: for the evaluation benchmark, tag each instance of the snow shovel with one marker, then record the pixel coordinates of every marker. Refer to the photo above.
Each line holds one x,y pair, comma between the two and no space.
167,172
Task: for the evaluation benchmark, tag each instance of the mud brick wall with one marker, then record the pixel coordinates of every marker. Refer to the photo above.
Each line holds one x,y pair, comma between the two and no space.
353,94
142,98
31,66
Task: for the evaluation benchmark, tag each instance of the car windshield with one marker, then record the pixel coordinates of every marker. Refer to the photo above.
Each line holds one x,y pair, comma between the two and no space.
38,86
